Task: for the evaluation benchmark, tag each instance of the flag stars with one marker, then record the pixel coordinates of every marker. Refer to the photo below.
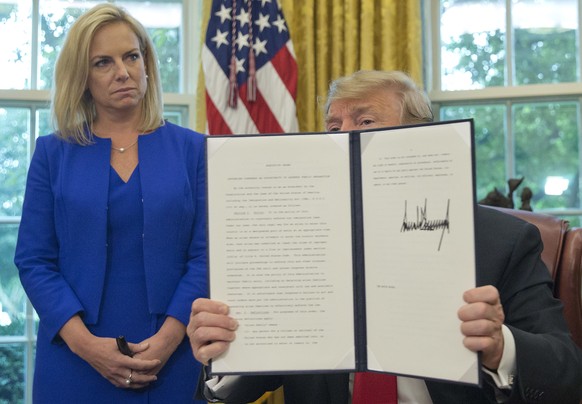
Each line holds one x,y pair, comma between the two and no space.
263,2
280,24
240,65
243,17
224,13
260,47
263,22
242,40
220,38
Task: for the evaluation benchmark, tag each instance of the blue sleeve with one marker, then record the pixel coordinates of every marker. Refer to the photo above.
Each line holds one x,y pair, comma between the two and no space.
37,249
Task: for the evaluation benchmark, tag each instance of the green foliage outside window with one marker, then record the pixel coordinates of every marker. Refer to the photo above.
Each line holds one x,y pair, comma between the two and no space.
545,134
489,125
14,138
541,56
545,56
485,63
546,144
11,374
166,42
53,33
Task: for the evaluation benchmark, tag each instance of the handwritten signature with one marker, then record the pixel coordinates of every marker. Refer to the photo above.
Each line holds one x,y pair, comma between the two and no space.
422,222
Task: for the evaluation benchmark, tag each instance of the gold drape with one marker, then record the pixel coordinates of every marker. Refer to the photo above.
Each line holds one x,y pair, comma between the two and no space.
200,89
333,38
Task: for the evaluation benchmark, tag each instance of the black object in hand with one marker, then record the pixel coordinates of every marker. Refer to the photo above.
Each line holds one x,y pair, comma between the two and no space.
123,347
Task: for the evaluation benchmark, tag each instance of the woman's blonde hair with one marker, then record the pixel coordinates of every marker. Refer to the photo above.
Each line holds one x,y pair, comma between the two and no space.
73,109
415,103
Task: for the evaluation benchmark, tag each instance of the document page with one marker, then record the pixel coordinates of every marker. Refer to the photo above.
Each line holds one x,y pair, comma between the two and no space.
418,210
280,250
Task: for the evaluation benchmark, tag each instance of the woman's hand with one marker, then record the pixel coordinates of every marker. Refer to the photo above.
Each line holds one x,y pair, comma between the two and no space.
162,344
102,354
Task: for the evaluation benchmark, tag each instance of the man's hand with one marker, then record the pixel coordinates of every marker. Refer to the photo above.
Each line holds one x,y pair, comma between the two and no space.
482,319
210,329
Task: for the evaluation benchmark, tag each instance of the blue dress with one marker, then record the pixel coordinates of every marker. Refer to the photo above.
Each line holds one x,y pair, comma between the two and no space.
66,378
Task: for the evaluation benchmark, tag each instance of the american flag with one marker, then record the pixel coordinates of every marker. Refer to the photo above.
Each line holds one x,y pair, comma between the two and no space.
242,98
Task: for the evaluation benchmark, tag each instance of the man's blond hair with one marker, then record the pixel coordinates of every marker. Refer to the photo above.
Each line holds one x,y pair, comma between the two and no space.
415,103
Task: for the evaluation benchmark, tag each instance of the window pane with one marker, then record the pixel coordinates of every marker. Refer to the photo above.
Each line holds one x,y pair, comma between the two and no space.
56,17
167,44
472,44
545,33
489,121
15,63
162,20
12,296
12,373
546,152
573,220
43,122
174,117
14,138
176,114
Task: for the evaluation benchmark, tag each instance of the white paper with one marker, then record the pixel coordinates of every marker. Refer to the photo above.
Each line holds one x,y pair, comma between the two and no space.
280,250
419,249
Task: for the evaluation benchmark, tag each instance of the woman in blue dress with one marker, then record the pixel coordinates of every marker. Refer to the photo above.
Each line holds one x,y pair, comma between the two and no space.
113,233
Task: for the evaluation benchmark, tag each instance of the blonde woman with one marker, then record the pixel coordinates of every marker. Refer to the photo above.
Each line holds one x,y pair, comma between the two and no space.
112,238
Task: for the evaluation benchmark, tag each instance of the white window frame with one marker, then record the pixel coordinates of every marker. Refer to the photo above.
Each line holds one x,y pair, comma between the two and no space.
507,95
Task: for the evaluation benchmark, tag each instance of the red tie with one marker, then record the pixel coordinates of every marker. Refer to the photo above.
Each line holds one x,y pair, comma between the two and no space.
374,388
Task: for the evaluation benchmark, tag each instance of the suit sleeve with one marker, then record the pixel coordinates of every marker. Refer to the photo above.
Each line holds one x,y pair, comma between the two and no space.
37,248
549,364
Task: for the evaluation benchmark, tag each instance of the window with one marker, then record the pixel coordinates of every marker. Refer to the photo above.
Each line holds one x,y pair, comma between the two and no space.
37,30
26,69
514,67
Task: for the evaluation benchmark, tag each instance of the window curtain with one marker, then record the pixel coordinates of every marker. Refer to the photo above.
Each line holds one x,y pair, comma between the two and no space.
333,38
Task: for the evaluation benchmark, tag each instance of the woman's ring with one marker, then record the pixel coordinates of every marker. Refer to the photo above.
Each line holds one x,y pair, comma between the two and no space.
128,380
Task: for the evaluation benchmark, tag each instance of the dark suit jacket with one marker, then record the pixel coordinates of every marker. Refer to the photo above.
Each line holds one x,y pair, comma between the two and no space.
549,365
61,251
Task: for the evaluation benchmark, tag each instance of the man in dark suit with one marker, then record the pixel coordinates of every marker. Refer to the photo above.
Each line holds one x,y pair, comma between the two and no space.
511,317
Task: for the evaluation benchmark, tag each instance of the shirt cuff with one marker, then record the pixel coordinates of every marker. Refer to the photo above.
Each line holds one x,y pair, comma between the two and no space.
220,387
505,373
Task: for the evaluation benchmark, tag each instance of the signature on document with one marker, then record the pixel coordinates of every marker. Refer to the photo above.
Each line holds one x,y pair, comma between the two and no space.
423,223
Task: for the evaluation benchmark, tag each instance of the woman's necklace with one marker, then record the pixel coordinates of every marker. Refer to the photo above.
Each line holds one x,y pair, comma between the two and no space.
123,149
119,149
